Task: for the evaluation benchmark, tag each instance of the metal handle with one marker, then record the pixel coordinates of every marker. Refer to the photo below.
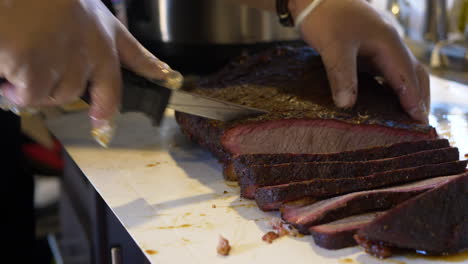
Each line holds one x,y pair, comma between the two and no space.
116,255
436,25
120,8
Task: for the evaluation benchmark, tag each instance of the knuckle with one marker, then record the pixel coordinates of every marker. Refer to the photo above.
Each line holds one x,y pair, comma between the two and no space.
388,36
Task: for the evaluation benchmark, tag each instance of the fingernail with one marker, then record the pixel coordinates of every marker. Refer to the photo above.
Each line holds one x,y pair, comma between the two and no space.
10,94
172,79
103,131
343,99
420,113
402,90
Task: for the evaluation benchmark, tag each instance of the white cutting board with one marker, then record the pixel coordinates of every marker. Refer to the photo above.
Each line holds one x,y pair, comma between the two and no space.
162,189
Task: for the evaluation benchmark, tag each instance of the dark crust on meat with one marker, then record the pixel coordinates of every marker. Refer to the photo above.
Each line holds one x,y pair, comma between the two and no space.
207,133
375,248
363,204
290,83
333,236
434,222
339,240
271,197
242,162
268,175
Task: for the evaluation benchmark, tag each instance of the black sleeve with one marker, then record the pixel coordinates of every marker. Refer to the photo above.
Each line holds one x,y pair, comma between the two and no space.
16,193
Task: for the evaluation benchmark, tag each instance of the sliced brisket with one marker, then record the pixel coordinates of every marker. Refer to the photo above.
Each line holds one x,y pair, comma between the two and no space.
435,222
356,203
242,162
257,176
340,234
292,85
271,197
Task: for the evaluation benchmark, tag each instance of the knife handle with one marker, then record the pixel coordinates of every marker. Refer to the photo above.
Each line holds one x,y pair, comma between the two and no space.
138,95
141,95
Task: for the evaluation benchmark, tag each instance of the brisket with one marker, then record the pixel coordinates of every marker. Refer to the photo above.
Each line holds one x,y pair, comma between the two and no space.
435,222
267,175
356,203
242,162
291,83
340,234
271,197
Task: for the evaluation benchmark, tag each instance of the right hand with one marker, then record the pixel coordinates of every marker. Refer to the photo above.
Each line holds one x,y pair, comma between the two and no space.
50,51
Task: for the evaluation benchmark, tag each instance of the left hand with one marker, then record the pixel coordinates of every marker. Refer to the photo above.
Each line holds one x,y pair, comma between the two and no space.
344,30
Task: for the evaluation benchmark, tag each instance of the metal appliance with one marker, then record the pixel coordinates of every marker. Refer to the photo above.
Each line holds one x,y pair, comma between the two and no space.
437,33
199,36
204,22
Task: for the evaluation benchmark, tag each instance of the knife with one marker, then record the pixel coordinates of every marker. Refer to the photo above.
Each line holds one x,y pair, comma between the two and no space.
153,96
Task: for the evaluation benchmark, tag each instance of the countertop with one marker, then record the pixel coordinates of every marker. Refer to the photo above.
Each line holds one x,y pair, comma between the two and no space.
171,197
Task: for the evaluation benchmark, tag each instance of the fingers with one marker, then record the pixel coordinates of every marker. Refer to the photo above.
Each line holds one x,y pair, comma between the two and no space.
138,59
402,72
105,92
341,66
424,85
30,87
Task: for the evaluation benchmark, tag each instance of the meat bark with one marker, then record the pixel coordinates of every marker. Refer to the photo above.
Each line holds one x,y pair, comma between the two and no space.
267,175
272,197
302,218
434,222
340,234
243,162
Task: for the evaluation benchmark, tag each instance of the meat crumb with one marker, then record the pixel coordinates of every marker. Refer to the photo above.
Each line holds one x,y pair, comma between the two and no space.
375,249
270,236
223,246
225,192
213,206
280,227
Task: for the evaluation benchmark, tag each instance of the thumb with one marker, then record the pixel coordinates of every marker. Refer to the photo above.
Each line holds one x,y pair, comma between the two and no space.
341,67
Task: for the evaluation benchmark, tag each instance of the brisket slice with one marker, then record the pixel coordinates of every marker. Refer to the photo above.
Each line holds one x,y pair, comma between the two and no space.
435,222
271,197
356,203
267,175
242,162
291,83
340,234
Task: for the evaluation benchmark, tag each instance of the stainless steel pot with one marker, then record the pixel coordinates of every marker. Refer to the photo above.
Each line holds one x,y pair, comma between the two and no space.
204,22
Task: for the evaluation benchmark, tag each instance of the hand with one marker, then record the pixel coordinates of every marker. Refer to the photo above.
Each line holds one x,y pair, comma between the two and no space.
343,30
50,51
